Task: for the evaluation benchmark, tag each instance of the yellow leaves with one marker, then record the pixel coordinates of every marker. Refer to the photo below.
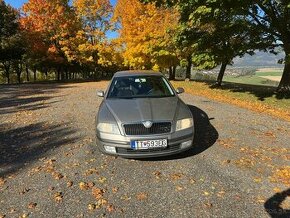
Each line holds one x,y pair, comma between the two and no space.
176,176
91,206
226,143
281,175
144,26
83,186
102,179
58,196
97,192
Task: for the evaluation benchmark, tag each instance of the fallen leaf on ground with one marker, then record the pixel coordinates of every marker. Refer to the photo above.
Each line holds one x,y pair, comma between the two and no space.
57,175
157,174
69,184
83,186
176,176
110,208
178,188
101,202
141,196
91,171
115,189
97,192
24,191
281,175
32,205
91,206
58,196
91,184
102,179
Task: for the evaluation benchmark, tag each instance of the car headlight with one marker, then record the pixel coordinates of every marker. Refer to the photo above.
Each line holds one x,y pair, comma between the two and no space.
108,128
184,124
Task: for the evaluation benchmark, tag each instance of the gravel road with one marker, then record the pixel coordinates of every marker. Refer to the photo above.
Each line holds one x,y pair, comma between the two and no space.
50,167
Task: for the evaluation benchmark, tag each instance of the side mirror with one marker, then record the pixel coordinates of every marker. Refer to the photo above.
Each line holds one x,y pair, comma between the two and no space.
101,93
179,90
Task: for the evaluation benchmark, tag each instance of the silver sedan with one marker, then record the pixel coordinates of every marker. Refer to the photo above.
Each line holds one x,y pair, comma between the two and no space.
141,116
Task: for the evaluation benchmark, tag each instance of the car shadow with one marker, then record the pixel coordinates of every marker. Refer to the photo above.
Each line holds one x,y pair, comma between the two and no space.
205,135
273,205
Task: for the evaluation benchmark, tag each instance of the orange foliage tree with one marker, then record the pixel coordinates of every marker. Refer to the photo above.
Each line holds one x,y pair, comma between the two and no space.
145,34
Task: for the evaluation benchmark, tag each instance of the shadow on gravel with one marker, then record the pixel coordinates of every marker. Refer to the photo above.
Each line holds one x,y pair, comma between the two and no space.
273,205
205,135
24,145
26,96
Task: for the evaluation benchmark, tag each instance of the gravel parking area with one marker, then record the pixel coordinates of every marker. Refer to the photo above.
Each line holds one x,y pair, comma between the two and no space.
50,167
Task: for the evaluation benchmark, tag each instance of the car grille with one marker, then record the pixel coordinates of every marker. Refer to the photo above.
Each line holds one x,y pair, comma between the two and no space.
140,129
155,150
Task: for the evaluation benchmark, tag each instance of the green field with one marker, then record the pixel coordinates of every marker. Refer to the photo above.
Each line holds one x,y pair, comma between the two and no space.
255,79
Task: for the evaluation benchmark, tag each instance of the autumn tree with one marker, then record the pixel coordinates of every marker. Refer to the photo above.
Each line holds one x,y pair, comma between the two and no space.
142,31
12,47
55,23
95,16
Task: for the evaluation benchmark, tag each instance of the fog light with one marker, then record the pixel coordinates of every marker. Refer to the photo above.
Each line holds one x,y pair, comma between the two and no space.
186,144
110,149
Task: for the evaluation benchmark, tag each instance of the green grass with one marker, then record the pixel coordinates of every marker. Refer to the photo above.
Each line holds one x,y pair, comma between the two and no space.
255,79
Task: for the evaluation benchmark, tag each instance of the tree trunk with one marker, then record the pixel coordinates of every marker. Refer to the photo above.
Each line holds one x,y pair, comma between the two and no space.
188,68
173,72
221,73
58,74
170,73
7,71
27,74
19,71
34,74
284,85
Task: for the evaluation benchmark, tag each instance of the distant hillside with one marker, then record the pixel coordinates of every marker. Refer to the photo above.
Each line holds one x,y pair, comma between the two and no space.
260,59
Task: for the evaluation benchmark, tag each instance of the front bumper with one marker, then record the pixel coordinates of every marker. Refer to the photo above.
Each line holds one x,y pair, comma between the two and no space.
177,143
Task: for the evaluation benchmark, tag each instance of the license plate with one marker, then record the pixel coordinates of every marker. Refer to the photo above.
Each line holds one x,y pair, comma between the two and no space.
147,144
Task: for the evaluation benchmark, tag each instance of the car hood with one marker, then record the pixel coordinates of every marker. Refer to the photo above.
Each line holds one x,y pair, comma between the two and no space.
143,109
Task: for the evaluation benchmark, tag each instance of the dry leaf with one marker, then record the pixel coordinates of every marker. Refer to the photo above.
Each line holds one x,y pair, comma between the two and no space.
91,206
32,205
97,192
91,184
58,196
179,188
115,189
157,174
176,176
57,175
102,179
84,186
142,196
69,184
110,208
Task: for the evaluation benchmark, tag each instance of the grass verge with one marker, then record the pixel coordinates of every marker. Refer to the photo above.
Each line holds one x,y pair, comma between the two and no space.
261,99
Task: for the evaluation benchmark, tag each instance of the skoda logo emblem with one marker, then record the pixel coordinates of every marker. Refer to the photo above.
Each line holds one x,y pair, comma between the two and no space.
147,124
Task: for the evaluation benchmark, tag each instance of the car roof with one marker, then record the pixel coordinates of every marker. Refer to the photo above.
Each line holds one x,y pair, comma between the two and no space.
137,73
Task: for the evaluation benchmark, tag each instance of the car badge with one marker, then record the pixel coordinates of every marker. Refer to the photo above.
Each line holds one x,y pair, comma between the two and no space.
147,124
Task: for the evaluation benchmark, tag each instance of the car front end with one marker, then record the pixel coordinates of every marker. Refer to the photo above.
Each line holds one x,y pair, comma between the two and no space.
143,126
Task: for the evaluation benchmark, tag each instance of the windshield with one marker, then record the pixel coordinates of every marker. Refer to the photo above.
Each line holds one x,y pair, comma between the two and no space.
140,87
